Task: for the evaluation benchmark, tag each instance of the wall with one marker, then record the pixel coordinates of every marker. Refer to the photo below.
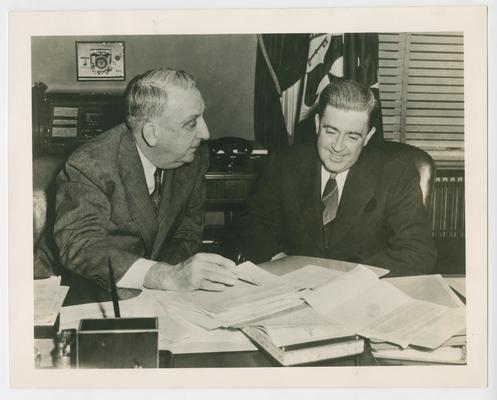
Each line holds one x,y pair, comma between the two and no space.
223,65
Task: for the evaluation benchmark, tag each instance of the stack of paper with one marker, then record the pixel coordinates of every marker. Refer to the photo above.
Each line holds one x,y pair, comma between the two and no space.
378,310
442,355
48,299
435,289
302,336
236,305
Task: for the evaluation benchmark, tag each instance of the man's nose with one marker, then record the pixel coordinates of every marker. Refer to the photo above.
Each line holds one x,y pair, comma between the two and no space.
338,143
202,130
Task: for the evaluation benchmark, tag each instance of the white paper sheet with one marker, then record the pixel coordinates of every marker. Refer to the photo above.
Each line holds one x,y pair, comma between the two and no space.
48,299
344,287
301,325
432,288
458,284
379,310
252,273
310,277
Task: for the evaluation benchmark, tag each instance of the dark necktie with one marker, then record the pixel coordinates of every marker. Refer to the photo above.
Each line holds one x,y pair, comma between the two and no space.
155,195
330,200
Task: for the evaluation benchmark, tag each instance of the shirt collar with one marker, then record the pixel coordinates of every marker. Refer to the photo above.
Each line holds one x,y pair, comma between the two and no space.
340,179
148,169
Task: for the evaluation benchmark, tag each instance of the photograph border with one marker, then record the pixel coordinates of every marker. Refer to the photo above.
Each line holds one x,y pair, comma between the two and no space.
23,26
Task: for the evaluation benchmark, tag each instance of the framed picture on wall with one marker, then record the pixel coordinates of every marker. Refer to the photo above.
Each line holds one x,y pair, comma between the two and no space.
100,61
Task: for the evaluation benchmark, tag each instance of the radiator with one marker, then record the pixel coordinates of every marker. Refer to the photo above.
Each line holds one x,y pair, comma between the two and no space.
447,207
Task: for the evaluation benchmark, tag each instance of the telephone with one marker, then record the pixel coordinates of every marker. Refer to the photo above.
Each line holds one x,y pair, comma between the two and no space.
230,146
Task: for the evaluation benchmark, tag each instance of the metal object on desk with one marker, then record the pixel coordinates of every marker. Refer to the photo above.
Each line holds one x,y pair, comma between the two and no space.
64,352
118,343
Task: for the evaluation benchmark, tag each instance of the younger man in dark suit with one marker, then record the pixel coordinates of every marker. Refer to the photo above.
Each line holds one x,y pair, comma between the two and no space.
339,198
135,194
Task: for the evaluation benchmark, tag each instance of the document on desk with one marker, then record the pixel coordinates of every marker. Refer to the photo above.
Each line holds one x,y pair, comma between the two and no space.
236,305
48,298
377,309
432,288
458,283
310,277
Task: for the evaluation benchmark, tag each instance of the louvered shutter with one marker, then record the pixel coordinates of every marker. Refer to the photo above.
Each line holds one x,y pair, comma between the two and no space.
391,57
422,87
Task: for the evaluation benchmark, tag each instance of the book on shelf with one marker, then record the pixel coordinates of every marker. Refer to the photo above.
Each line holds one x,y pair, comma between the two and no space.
301,336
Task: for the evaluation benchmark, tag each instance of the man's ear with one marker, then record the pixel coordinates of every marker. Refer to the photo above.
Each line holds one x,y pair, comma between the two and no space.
149,134
369,135
317,121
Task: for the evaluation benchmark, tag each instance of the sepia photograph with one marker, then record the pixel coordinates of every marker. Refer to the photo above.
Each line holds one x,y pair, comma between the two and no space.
224,199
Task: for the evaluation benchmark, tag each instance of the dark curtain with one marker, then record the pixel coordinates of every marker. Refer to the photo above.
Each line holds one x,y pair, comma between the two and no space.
364,47
360,63
288,56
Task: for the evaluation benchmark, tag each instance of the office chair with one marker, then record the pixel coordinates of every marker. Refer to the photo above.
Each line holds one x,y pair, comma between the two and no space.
423,163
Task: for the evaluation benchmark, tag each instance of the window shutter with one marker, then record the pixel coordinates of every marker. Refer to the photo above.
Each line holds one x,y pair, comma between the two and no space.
390,74
429,77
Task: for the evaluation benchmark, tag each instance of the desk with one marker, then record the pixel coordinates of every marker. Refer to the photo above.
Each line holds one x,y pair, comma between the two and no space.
229,182
83,291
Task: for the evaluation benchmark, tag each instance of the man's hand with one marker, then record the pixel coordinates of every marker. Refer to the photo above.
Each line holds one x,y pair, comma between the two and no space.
202,271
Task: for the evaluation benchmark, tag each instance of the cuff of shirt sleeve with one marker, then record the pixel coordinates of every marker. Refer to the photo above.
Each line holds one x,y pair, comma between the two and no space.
133,278
278,256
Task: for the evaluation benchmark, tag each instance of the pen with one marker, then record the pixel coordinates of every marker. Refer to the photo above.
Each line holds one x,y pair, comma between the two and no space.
113,290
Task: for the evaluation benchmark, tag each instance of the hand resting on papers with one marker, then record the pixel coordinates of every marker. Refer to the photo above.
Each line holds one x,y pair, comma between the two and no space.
205,271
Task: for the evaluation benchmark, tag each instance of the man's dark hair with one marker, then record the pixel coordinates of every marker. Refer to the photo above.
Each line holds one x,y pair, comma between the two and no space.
348,95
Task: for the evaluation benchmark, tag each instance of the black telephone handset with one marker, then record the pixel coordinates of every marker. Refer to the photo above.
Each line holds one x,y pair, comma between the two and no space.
230,146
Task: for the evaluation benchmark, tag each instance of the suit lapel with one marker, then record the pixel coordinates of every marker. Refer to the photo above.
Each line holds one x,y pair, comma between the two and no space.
308,192
133,178
357,192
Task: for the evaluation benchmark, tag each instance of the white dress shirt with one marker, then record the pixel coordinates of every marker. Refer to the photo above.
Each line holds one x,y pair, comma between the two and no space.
134,276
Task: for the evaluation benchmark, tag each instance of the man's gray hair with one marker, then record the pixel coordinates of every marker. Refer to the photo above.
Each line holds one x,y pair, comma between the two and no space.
348,95
146,94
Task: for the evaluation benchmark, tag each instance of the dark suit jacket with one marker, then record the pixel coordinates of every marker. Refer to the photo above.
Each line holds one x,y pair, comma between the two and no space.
103,209
380,220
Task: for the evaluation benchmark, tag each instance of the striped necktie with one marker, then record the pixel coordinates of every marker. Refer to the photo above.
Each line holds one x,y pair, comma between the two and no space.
156,194
330,200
